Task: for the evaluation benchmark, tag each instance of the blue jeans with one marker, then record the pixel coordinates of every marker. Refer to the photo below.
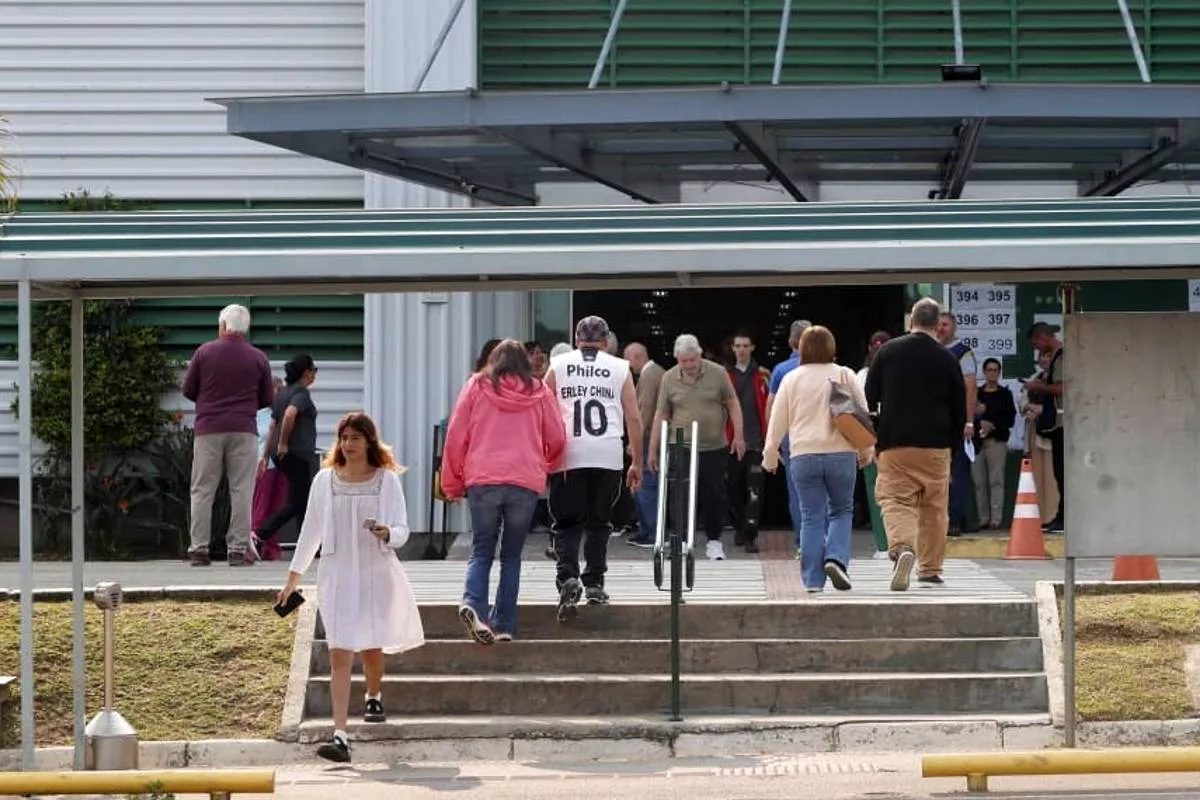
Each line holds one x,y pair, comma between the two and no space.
501,514
647,498
825,484
793,495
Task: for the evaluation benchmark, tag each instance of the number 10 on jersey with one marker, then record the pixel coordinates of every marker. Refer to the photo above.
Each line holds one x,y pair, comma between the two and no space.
590,418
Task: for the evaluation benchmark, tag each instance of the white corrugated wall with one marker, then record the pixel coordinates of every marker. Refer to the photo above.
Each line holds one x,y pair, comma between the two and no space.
109,95
419,348
338,390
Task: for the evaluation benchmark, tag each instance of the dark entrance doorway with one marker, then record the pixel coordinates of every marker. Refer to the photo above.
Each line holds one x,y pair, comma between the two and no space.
656,317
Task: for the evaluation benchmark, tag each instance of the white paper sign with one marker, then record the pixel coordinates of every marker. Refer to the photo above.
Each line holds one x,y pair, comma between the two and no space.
983,296
1194,295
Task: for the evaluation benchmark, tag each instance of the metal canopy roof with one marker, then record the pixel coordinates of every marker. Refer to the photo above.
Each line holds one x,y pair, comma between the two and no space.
497,146
222,253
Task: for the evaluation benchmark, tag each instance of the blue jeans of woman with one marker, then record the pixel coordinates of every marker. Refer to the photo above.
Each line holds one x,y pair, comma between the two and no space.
825,485
503,514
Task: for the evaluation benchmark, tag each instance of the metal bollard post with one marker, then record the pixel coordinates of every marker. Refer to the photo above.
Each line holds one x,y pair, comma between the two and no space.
110,741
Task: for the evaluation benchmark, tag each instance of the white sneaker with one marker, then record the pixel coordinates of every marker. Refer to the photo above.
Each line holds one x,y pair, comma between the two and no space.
715,550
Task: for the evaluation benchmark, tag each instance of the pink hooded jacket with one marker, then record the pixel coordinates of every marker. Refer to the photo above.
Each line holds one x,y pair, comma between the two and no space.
512,436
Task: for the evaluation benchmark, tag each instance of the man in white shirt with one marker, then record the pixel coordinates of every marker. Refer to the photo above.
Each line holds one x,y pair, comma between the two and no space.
596,395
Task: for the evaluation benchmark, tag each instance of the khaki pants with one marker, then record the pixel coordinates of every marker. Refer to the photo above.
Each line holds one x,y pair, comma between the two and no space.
233,455
913,491
988,474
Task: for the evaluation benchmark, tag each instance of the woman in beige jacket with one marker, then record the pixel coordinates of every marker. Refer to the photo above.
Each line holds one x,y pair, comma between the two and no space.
823,464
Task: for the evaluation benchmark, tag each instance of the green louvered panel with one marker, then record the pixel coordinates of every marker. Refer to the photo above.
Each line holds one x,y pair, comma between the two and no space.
1173,40
1076,40
328,326
530,44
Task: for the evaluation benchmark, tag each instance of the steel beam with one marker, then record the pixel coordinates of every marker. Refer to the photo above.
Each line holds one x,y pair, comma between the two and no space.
470,111
954,178
1117,181
439,179
566,152
754,137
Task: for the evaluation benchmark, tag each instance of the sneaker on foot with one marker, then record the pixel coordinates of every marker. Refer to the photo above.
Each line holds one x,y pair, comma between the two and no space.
814,589
568,598
373,710
752,546
504,637
477,629
200,558
643,543
715,550
336,749
238,560
902,570
1054,526
931,580
837,576
596,596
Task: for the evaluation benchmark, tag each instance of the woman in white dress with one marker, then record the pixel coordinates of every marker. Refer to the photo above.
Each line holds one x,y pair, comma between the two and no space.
357,517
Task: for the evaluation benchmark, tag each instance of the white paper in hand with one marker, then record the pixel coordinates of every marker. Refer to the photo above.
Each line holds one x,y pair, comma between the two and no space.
969,449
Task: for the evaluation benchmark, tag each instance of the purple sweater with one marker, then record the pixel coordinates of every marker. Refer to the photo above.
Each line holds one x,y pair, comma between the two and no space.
229,380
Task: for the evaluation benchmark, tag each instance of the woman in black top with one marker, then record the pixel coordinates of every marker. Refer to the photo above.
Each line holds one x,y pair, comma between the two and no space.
292,444
994,416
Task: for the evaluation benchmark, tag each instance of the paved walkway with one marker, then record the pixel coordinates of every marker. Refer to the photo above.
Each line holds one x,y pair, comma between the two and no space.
828,776
772,575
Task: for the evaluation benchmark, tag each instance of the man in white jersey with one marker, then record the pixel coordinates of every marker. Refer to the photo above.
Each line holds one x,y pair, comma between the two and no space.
598,402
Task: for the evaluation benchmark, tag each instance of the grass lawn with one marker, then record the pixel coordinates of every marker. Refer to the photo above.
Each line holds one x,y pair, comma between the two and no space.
1130,657
184,669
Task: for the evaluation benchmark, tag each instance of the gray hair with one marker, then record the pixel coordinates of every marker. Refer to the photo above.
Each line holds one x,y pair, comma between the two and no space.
235,318
797,330
611,344
559,349
687,345
925,314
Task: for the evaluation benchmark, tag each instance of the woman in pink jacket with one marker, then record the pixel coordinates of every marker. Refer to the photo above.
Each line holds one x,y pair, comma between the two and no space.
505,435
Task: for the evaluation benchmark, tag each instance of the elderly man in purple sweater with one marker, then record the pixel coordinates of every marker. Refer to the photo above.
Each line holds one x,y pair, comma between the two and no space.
229,380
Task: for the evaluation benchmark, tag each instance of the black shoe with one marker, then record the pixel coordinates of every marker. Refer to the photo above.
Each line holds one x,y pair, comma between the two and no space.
596,596
373,711
931,580
739,539
569,596
752,546
1054,526
837,576
336,750
200,558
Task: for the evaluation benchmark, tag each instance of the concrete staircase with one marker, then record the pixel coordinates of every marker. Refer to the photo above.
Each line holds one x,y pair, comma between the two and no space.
608,670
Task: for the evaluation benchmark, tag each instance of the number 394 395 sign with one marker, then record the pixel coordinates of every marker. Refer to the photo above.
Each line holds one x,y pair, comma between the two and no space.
986,314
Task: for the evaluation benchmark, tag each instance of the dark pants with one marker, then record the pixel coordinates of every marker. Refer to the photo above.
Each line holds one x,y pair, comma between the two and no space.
960,488
711,494
1058,460
581,505
625,514
745,494
299,472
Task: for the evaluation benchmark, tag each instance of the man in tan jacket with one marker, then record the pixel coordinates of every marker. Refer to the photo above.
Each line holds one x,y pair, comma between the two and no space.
649,378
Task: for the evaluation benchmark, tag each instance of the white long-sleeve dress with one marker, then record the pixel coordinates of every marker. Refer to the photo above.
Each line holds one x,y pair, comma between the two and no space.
363,592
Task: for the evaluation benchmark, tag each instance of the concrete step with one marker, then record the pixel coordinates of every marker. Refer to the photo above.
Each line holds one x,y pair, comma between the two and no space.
827,693
620,656
575,731
771,620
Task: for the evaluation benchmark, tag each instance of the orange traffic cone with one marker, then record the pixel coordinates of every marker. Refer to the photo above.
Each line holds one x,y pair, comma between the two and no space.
1135,568
1025,541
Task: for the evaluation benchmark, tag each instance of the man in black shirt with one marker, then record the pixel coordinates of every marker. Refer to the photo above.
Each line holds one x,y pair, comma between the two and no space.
918,388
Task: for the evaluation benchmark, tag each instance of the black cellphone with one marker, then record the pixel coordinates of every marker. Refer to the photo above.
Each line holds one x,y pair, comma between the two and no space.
294,601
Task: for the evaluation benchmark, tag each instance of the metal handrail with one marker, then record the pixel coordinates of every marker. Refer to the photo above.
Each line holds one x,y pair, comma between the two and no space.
693,472
660,531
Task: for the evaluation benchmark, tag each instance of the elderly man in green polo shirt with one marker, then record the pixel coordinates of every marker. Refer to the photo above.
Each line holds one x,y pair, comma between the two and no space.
699,389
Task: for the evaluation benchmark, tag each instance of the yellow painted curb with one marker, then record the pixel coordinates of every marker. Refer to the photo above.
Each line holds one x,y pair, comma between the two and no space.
995,546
